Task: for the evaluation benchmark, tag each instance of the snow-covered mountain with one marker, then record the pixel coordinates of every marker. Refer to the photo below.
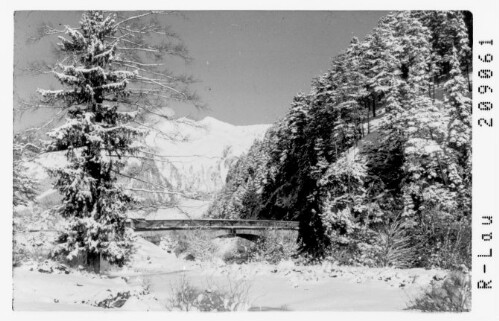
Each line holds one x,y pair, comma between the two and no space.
198,158
183,156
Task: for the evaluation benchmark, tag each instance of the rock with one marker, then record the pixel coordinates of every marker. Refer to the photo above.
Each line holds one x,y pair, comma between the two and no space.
62,268
189,257
438,277
463,268
119,303
45,269
114,300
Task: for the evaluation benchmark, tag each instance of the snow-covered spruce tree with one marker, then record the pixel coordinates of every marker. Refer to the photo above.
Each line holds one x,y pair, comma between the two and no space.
448,31
458,103
110,73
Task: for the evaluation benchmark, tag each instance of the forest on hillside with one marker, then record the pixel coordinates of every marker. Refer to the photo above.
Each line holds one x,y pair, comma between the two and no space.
375,160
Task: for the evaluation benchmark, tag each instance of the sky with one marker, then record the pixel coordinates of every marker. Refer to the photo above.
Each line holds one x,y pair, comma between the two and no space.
250,64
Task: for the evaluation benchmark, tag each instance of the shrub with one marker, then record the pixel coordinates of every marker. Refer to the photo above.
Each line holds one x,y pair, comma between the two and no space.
198,243
451,295
35,246
273,247
444,243
186,297
360,248
396,248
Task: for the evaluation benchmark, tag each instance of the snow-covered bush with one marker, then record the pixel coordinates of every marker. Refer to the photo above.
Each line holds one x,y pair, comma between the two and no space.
32,246
232,297
451,295
395,246
273,246
168,244
444,243
196,244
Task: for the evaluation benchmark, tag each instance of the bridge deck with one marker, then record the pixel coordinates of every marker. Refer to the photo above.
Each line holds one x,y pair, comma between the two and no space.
211,224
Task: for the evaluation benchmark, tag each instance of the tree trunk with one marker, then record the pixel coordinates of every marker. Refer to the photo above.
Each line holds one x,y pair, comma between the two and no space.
93,262
468,76
434,85
368,112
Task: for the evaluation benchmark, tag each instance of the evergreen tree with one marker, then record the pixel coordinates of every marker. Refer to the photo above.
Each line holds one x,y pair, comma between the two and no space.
458,103
110,75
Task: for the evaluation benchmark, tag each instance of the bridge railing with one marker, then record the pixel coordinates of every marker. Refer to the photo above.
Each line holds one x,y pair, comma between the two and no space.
213,224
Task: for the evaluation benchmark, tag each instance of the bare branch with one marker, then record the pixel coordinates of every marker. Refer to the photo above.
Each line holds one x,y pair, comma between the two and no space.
163,191
138,63
180,156
139,49
152,191
136,17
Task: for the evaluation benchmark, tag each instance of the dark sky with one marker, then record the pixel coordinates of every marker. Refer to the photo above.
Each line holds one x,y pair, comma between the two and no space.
250,63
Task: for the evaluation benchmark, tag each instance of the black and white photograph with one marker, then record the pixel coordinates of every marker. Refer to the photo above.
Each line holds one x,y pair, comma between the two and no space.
244,160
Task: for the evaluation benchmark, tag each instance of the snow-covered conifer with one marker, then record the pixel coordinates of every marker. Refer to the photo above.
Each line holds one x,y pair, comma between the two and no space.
110,75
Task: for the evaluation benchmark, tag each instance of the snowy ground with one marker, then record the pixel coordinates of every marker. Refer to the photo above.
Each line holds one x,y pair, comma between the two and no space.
147,283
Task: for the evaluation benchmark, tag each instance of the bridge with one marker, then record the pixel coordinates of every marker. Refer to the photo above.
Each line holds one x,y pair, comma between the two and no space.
248,229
